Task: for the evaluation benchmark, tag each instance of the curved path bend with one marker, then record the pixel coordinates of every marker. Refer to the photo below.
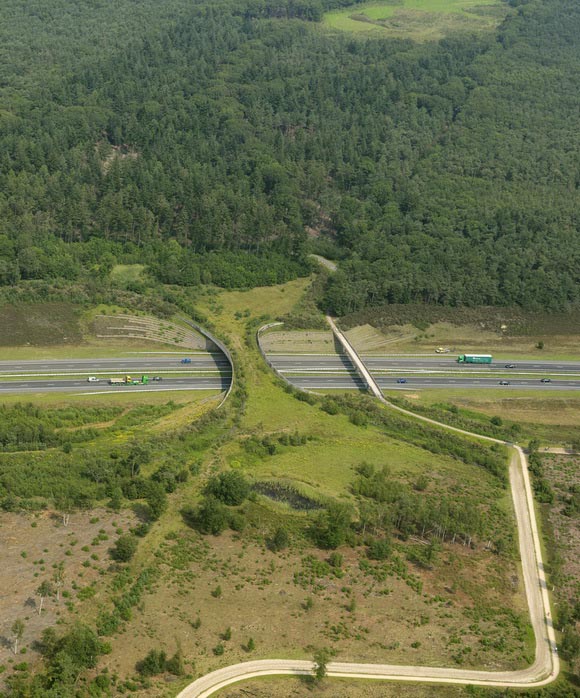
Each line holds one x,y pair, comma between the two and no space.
546,665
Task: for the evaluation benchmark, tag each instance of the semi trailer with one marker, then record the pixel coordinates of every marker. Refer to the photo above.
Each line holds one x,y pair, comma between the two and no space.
474,359
127,380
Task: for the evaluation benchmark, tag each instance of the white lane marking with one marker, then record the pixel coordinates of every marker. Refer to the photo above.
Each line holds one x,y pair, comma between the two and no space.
426,371
186,352
153,390
184,372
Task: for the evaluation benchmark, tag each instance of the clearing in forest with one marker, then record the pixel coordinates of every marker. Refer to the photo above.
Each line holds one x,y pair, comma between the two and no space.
420,20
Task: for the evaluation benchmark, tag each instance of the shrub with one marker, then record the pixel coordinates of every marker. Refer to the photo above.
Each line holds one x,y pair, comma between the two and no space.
154,663
231,488
358,418
124,548
335,560
332,526
217,592
175,665
156,499
210,517
237,521
278,541
379,549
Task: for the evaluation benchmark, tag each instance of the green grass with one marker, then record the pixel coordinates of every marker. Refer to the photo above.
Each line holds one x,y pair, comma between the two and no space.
507,333
53,400
417,19
97,350
327,462
230,310
551,417
127,273
284,686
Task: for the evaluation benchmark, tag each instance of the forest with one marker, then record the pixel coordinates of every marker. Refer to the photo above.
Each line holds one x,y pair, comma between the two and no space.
222,142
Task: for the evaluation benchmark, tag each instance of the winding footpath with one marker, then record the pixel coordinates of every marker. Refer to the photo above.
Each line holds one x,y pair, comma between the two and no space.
546,665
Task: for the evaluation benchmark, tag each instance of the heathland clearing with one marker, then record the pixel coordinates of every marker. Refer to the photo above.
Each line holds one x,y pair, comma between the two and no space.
552,418
421,20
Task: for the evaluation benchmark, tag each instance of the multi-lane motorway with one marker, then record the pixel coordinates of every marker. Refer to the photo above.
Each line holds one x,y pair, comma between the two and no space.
204,372
310,371
333,371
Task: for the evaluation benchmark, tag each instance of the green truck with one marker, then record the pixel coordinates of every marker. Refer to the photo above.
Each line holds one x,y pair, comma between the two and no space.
474,359
127,380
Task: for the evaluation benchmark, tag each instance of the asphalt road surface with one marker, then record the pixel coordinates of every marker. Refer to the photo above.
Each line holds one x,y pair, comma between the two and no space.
83,387
133,364
337,372
205,372
297,362
353,382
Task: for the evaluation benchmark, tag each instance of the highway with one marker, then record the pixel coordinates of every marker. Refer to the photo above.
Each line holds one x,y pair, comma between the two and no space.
82,386
335,371
302,362
205,372
353,382
135,364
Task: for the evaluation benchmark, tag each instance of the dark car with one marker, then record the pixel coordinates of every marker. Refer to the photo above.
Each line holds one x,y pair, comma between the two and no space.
186,361
510,365
504,382
157,378
546,380
401,380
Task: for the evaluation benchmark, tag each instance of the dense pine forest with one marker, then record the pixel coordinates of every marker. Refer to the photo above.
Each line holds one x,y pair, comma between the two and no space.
220,142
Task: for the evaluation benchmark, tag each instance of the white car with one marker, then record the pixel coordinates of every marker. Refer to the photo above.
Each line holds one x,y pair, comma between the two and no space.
92,379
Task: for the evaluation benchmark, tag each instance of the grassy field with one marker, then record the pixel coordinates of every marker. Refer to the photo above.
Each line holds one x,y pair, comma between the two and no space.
56,400
297,342
563,474
127,273
288,687
553,418
337,447
42,324
232,309
421,20
461,339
